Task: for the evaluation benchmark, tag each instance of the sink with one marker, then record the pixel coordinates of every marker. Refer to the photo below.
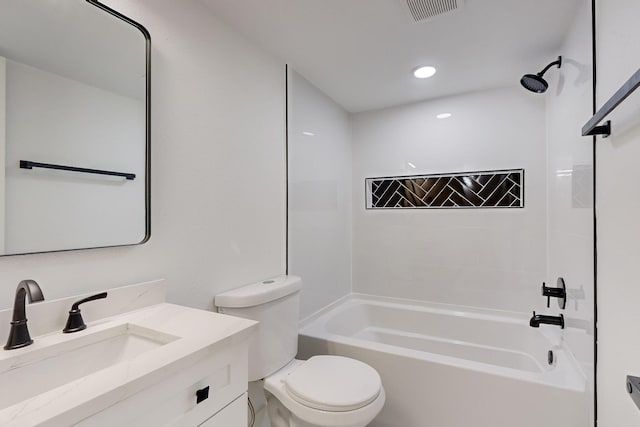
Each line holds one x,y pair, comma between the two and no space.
60,358
117,370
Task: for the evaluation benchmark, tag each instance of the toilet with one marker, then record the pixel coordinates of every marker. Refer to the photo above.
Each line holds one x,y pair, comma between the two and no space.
324,391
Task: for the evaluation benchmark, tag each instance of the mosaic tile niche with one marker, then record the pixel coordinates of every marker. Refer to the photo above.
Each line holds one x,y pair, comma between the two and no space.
485,189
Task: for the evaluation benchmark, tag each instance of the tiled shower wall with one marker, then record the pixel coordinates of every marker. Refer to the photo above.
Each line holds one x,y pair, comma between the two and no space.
491,257
570,192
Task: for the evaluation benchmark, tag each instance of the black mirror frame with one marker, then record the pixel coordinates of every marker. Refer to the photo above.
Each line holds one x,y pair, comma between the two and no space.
147,174
147,178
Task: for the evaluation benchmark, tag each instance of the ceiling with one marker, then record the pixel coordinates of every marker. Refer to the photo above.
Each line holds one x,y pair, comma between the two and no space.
362,52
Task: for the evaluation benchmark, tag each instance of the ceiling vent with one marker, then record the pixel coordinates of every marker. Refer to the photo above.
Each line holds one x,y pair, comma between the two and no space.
421,10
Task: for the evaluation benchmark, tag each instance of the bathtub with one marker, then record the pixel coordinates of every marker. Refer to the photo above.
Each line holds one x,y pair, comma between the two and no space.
449,366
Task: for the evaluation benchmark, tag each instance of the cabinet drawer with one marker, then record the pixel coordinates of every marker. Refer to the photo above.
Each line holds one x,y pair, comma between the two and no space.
234,415
172,402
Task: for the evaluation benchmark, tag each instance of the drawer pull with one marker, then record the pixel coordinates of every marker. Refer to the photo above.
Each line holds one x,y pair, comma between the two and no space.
202,394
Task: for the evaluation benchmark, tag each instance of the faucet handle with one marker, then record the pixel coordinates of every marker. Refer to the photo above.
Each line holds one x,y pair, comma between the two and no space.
545,293
76,304
559,292
75,322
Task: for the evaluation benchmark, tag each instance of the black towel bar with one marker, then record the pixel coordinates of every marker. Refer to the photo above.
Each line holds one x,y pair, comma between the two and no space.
591,127
26,164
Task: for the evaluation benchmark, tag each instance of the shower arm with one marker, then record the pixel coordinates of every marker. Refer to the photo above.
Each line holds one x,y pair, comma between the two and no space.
557,62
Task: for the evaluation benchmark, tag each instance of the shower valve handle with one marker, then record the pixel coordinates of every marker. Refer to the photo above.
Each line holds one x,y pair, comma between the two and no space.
558,292
544,293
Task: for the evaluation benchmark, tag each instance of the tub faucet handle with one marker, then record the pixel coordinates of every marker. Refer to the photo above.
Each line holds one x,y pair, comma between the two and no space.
558,292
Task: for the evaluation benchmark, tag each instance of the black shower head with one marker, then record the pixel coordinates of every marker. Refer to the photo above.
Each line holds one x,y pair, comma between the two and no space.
535,82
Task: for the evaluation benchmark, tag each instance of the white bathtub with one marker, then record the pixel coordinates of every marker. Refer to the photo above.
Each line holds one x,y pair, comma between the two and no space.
448,366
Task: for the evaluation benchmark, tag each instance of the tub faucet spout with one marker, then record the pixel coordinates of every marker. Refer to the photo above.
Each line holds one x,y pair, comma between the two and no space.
537,319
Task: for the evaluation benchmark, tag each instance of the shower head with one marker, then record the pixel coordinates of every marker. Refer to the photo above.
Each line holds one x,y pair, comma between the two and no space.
535,82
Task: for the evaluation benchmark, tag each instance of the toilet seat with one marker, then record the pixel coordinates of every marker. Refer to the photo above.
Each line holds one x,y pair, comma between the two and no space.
333,383
336,413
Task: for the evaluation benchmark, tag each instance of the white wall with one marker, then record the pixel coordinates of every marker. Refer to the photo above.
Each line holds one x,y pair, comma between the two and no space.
492,258
319,194
618,211
218,169
570,191
52,119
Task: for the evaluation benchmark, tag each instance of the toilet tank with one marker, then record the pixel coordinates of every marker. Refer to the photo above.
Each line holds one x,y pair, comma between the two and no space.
275,303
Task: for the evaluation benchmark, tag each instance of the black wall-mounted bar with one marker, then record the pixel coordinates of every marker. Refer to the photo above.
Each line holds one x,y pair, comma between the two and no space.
26,164
591,127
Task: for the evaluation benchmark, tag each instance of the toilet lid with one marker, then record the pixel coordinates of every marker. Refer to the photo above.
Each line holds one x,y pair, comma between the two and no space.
333,383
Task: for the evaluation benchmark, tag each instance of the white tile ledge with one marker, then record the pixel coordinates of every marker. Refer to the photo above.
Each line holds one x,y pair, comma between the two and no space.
200,333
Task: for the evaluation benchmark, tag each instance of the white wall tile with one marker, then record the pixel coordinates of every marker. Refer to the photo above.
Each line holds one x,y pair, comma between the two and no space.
570,189
492,258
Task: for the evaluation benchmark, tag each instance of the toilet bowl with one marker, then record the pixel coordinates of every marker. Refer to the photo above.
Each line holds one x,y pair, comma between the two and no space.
324,391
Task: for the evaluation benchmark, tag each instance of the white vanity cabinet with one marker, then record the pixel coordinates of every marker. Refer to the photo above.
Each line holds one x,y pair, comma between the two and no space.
218,377
162,365
235,414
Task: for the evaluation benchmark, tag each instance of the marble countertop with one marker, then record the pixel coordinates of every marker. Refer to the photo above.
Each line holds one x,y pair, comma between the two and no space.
192,335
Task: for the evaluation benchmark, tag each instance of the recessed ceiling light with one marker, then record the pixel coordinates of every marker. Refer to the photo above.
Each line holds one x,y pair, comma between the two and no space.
424,72
411,165
308,133
443,115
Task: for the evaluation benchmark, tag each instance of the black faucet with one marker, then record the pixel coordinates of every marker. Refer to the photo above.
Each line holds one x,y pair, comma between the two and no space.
75,323
537,319
19,334
559,292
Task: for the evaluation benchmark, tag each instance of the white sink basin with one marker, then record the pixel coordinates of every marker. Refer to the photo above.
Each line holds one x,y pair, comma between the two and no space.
35,371
64,379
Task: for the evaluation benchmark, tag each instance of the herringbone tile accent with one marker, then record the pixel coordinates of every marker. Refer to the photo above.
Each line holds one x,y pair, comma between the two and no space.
488,189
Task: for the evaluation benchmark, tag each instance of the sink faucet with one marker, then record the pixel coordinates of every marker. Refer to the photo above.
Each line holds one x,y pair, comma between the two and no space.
75,323
537,319
19,334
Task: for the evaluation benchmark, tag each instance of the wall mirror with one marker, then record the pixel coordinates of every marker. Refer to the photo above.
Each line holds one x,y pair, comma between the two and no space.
74,127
